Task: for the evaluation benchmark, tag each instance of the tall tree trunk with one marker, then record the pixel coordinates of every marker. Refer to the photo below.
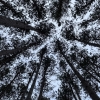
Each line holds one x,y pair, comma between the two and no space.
15,51
85,84
94,71
71,82
72,91
14,78
85,42
14,23
47,62
91,70
33,84
91,74
23,95
6,60
34,81
42,85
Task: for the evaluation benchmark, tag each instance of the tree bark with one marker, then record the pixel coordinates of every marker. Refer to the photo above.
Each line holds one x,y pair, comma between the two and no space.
91,74
34,81
72,92
42,85
6,60
46,65
14,78
85,84
85,42
71,82
15,51
33,84
23,95
91,70
16,24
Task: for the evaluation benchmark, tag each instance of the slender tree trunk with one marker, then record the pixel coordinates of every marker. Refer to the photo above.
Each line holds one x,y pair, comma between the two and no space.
14,78
34,81
6,60
14,23
41,89
23,95
95,65
94,77
33,84
72,91
7,86
46,65
42,85
85,84
15,51
84,68
71,82
94,71
8,52
85,42
91,75
77,93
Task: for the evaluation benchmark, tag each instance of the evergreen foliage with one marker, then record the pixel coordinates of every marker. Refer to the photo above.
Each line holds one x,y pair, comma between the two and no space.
42,41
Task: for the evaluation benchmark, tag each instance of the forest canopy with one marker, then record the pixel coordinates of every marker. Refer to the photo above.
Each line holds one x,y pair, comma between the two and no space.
49,50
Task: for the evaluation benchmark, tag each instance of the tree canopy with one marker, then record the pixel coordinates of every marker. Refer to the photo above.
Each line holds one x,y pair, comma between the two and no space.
49,50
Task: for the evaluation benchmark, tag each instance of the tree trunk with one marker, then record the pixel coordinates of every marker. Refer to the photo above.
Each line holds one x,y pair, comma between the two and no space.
85,42
72,92
91,75
34,81
85,84
46,65
6,60
91,70
94,71
15,51
14,78
23,95
42,86
14,23
33,84
71,82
